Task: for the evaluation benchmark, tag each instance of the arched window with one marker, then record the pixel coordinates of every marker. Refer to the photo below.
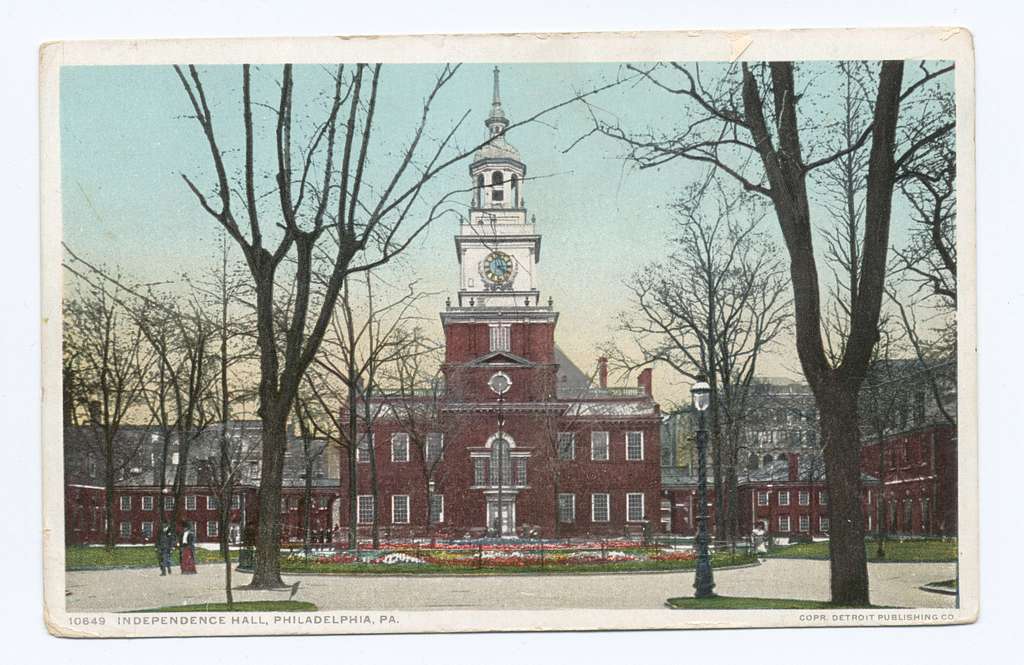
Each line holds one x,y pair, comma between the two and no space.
501,462
497,187
480,191
515,191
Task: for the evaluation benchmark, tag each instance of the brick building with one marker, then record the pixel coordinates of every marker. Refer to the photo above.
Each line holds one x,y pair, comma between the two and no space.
556,453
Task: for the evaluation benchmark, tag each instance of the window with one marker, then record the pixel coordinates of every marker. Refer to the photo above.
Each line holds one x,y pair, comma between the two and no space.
784,523
823,524
599,507
823,497
501,335
634,507
190,502
436,508
520,465
169,502
566,446
212,503
321,502
634,446
908,515
784,497
497,183
479,471
363,448
236,502
804,498
762,498
599,446
147,530
147,503
126,503
435,448
501,462
254,470
174,458
125,529
566,508
365,508
293,503
480,191
213,529
400,509
515,191
805,523
400,447
284,504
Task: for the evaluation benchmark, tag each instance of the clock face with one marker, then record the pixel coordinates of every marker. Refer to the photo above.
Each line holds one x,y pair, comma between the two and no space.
497,267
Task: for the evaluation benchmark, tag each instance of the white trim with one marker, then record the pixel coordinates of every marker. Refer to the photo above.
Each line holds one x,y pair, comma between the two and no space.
394,506
360,498
440,513
643,510
780,494
121,503
215,531
800,523
608,507
505,436
147,498
635,459
788,524
572,506
398,435
607,447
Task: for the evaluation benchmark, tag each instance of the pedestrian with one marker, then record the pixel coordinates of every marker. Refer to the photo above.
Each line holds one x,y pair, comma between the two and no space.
164,547
188,550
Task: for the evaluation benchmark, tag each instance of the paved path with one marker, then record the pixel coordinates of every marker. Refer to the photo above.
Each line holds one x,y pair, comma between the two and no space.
892,584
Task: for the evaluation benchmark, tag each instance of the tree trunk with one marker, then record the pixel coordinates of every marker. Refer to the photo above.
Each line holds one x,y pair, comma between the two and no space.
841,447
267,574
110,537
225,550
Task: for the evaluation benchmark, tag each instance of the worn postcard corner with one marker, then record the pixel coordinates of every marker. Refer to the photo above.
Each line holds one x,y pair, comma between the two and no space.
307,370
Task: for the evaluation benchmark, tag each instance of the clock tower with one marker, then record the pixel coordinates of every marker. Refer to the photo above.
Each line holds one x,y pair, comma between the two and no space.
498,247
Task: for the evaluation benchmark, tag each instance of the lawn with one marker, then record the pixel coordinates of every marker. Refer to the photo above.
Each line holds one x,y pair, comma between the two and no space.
472,566
245,606
134,556
905,551
742,603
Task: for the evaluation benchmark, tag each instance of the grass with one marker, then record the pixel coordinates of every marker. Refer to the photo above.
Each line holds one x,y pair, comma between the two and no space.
905,551
133,556
743,603
244,606
300,566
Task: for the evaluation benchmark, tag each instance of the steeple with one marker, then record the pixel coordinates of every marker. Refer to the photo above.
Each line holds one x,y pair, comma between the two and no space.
497,121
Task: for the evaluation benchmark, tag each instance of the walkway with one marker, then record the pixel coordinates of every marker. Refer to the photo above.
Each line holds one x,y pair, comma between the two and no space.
892,584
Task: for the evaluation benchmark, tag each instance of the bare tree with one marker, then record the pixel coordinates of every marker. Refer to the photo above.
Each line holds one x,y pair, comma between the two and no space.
753,123
713,307
319,214
107,357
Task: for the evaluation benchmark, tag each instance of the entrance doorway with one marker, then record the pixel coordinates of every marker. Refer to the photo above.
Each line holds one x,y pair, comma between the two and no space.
505,523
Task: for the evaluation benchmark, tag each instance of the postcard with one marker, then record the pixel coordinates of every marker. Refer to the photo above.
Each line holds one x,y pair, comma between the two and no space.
307,370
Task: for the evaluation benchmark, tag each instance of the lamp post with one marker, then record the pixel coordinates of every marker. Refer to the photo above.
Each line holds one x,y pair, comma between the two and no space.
704,583
500,384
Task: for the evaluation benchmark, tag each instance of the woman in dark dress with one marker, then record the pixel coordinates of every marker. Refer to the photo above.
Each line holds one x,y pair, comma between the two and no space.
188,551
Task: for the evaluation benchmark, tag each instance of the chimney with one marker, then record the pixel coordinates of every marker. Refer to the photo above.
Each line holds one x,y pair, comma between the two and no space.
602,372
644,381
794,466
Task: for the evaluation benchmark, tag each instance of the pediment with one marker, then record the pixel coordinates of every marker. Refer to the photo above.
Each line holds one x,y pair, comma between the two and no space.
501,358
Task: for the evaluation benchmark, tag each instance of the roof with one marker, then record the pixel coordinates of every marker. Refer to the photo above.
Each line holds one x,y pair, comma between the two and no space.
811,468
571,379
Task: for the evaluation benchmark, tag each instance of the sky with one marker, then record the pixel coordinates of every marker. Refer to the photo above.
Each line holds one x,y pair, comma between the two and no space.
126,138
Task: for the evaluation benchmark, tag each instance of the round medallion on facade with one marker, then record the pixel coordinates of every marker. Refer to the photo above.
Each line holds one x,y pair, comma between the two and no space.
497,268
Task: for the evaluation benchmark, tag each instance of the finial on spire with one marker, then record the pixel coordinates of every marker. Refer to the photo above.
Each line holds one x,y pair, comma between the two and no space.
496,121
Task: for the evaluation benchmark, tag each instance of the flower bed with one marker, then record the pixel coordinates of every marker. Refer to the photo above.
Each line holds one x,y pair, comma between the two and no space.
476,557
